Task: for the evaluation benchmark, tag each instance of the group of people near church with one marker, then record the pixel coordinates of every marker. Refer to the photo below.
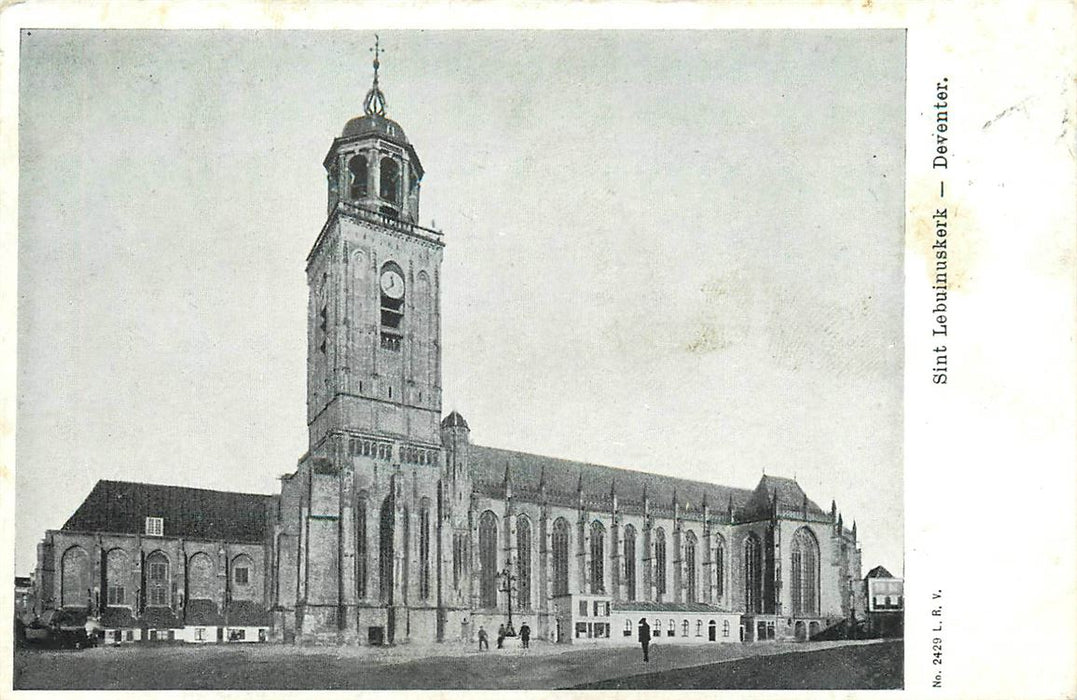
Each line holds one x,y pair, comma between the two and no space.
504,631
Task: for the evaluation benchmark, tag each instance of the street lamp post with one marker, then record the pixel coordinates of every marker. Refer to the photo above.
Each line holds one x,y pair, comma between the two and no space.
507,581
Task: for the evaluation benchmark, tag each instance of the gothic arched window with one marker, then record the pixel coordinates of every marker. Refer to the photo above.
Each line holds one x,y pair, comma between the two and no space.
805,573
560,557
75,578
157,580
201,577
690,565
660,561
116,574
523,562
385,550
357,170
719,566
488,560
242,573
424,549
598,556
630,562
753,574
390,180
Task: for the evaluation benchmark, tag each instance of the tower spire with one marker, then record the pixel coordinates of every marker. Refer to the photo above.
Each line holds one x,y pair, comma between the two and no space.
374,103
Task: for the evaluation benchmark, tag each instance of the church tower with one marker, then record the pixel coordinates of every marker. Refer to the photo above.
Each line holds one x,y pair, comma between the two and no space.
373,275
360,532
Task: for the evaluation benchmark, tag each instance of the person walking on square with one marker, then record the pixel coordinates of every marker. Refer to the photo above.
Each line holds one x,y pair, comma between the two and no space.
500,636
645,639
484,641
525,635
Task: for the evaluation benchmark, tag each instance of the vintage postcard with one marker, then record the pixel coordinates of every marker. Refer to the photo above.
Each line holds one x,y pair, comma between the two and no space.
608,347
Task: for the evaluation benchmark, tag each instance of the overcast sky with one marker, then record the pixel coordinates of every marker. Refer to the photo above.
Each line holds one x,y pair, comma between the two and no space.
678,252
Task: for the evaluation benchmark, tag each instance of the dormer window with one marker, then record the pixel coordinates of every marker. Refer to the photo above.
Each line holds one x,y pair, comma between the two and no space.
155,526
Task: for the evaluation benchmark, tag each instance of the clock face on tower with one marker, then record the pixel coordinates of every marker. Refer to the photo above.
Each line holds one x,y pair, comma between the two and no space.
392,284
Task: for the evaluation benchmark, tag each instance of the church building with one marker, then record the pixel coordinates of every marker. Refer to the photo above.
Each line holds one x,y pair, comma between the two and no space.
396,527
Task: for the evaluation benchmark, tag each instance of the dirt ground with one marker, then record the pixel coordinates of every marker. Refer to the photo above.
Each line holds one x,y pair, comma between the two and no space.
544,666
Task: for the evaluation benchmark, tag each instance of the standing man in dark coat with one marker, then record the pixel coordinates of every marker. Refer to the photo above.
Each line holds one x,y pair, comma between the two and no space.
645,639
525,635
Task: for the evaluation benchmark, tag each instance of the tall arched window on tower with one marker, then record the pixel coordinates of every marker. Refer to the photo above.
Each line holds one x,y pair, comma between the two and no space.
361,551
598,557
523,562
630,562
390,182
660,561
405,538
559,544
719,566
690,566
805,573
422,324
488,560
424,549
385,550
753,574
357,173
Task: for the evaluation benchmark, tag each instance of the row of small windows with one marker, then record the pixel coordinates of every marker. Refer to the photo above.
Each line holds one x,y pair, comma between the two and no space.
599,608
415,455
360,447
370,448
671,628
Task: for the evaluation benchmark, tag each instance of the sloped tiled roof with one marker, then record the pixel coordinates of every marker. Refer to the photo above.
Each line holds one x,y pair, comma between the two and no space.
123,506
879,572
562,479
790,498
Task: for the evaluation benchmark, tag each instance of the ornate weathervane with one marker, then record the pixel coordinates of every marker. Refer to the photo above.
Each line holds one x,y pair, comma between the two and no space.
374,104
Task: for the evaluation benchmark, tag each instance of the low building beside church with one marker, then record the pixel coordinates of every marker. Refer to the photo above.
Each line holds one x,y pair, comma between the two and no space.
396,527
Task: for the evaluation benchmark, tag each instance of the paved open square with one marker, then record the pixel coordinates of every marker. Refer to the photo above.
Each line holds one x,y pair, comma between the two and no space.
273,667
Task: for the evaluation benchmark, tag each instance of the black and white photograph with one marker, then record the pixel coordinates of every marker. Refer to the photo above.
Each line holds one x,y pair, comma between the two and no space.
427,359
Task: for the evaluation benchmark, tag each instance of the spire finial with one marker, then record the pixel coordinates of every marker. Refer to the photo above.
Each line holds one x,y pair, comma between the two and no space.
374,104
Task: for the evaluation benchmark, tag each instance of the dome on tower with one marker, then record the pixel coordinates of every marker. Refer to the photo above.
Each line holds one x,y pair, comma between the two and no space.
454,420
377,124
